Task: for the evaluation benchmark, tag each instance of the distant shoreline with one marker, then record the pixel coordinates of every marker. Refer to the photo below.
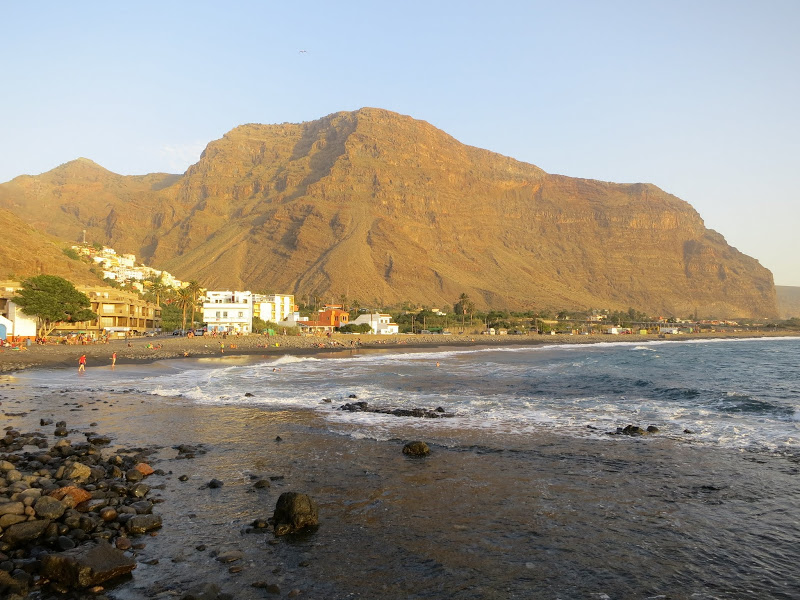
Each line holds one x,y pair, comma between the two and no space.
99,355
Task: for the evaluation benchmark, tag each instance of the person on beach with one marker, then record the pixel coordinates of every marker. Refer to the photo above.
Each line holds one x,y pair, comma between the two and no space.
82,363
113,359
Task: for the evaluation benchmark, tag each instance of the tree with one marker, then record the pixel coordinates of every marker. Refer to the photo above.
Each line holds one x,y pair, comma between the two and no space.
184,298
194,288
463,306
52,300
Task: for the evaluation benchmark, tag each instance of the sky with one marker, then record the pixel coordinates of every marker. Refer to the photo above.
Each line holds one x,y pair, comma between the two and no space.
700,97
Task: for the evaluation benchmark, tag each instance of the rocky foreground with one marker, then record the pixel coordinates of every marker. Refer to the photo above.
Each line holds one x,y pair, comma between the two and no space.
73,517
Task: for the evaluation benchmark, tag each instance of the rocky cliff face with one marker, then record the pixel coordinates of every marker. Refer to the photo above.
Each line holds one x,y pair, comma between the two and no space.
384,208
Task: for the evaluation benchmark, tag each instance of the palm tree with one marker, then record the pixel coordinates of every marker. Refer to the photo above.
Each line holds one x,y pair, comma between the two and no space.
194,289
184,298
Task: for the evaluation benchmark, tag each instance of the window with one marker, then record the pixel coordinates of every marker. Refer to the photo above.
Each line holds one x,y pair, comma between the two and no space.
241,314
224,314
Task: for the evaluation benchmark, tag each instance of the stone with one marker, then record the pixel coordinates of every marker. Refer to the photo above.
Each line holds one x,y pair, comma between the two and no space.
21,533
261,484
143,523
215,483
9,520
416,449
78,472
144,469
133,475
294,511
12,508
75,494
139,490
230,556
652,429
86,566
47,507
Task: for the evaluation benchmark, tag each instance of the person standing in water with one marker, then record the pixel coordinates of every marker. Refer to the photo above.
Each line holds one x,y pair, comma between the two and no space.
82,363
113,359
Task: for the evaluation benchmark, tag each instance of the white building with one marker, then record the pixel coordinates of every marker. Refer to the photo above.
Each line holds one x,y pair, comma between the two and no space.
275,308
228,311
379,322
16,324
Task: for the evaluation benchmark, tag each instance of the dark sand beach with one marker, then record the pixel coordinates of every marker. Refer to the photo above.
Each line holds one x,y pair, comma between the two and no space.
484,516
143,350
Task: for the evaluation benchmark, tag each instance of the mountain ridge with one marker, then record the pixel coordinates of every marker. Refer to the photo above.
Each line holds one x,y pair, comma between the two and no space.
381,207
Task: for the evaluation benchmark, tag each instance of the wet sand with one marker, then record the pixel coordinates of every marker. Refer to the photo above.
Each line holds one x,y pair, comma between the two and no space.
484,516
66,356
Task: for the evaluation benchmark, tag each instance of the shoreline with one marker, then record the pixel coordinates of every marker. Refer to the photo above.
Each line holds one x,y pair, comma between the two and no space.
136,351
471,520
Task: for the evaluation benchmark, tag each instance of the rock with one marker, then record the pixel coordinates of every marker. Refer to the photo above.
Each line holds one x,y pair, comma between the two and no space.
78,472
75,494
215,483
652,429
143,523
21,533
144,469
86,566
293,512
108,514
49,508
261,484
133,475
139,490
9,520
633,430
231,556
123,543
416,449
65,543
61,432
183,478
12,508
12,585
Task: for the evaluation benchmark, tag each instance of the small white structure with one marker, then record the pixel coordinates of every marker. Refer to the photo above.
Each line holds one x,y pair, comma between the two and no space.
669,330
228,312
22,325
379,322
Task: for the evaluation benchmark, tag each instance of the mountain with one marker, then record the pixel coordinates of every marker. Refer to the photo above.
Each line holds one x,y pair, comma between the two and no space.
384,208
26,251
788,301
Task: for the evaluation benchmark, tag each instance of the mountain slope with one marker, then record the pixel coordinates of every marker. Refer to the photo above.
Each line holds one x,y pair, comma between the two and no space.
385,208
26,252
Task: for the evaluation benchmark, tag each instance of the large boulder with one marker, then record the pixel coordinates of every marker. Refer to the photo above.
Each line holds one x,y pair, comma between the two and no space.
86,566
293,512
416,449
27,531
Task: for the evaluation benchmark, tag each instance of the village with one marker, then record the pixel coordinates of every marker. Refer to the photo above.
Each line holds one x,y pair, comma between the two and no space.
124,311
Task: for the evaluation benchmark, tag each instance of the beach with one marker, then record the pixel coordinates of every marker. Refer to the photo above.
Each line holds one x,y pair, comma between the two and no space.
143,350
490,513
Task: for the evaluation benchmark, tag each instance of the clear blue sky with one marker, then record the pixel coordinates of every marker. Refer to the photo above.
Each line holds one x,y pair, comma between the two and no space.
698,97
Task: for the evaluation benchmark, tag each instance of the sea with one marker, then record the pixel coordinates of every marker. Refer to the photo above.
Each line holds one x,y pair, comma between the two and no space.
531,489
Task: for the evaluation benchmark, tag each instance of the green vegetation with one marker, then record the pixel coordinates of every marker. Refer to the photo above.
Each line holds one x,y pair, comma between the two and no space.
52,300
71,253
353,328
